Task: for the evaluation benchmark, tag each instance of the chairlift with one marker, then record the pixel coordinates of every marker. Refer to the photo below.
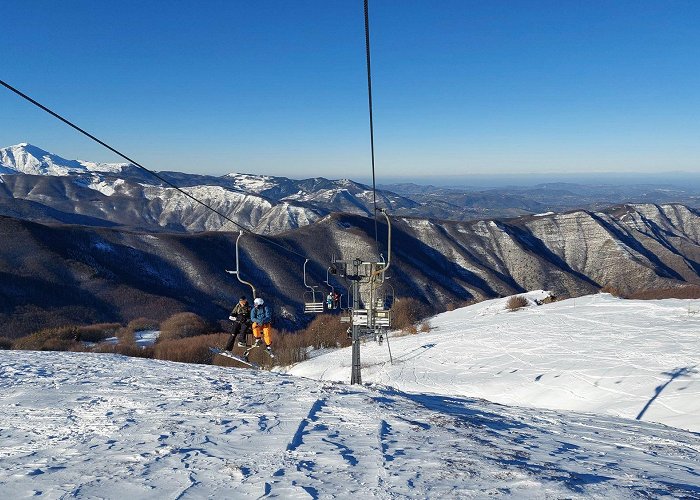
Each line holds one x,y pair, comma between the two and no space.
311,305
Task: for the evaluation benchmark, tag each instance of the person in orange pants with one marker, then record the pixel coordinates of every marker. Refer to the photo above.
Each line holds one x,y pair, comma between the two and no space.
261,316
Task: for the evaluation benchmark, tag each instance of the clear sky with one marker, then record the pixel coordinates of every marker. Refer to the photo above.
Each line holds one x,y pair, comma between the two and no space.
279,87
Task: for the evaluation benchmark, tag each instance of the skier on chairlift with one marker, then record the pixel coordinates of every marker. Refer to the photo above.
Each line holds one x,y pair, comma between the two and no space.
329,300
261,316
241,324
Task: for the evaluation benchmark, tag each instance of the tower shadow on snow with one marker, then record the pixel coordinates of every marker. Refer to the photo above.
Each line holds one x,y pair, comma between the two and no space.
673,375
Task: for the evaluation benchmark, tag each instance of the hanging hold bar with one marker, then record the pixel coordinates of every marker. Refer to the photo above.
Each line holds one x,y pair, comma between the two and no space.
386,265
237,272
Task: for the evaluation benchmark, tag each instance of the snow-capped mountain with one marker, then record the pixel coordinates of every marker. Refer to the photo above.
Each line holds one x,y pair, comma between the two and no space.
121,194
124,195
27,159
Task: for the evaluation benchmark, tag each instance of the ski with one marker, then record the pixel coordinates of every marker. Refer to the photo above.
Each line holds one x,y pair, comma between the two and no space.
230,355
247,351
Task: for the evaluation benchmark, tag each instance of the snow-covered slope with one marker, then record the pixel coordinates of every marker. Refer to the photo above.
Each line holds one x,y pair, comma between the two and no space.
27,159
104,426
628,358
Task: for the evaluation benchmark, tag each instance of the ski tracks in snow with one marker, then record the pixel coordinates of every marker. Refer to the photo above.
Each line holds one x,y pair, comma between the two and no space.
81,425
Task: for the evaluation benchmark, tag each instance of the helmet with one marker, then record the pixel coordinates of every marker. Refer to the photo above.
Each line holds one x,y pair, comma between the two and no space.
243,298
258,301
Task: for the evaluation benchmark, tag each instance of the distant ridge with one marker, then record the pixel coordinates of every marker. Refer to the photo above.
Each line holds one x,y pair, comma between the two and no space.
123,195
28,159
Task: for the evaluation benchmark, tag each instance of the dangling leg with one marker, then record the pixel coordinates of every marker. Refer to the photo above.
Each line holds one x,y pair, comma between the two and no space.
229,344
234,334
267,332
257,333
245,331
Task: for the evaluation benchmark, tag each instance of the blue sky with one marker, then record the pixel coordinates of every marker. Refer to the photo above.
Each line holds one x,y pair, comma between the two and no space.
279,87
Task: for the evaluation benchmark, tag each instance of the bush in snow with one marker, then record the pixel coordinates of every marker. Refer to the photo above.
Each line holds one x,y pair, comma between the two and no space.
64,338
98,332
289,348
407,312
5,343
425,327
325,331
182,325
49,339
190,349
142,324
516,302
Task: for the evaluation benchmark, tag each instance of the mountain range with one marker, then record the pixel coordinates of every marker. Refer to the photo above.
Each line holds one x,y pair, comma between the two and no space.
53,274
40,186
44,187
86,242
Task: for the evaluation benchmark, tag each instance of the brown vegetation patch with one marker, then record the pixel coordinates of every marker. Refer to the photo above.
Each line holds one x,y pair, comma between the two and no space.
683,292
142,324
547,300
615,292
408,330
98,332
182,325
64,338
406,312
516,302
325,331
48,339
190,349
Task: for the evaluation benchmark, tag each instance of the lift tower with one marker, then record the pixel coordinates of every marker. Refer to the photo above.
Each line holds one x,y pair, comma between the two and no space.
369,314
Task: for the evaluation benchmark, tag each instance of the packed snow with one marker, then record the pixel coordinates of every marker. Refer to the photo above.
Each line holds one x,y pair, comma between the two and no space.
600,354
105,426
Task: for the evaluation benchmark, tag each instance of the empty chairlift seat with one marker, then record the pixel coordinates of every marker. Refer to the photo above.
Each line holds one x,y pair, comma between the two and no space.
311,305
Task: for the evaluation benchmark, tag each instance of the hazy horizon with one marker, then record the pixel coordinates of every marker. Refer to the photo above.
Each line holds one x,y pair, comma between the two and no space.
464,87
475,181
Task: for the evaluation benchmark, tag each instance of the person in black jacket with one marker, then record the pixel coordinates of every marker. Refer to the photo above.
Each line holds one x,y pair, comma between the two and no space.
241,323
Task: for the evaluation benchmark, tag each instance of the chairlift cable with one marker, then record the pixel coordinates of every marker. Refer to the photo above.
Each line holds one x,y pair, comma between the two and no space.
137,164
371,123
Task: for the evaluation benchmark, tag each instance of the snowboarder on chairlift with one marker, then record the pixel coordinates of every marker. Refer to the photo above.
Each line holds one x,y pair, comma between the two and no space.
261,316
241,324
329,300
336,300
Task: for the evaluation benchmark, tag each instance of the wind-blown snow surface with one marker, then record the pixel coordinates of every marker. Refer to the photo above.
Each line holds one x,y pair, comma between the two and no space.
628,358
90,425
